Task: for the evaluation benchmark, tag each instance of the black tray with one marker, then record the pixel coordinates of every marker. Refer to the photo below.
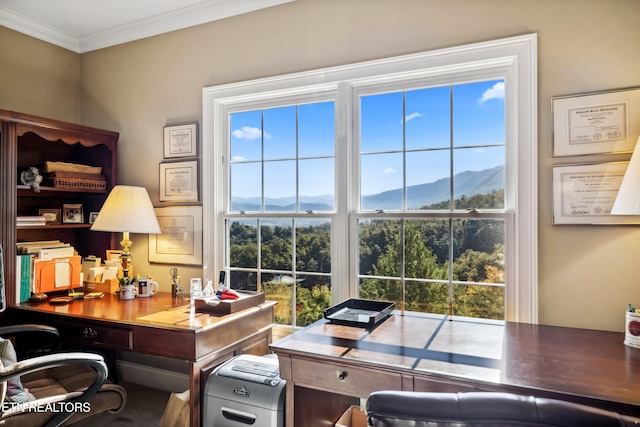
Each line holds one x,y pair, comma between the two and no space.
359,312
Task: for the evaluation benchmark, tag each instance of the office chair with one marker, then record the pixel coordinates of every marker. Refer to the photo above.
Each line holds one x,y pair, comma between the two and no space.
422,409
40,388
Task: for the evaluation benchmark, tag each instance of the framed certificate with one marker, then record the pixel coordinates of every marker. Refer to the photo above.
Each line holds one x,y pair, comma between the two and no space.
596,123
179,181
181,238
181,141
584,194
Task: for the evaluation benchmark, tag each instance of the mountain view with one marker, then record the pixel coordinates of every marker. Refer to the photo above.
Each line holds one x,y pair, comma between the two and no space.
466,183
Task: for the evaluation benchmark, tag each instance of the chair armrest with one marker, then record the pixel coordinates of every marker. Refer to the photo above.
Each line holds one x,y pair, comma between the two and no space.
27,366
53,341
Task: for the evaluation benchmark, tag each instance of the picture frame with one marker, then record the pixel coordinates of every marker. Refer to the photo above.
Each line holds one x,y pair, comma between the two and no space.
179,181
596,123
181,140
92,217
51,216
72,213
584,194
113,254
181,238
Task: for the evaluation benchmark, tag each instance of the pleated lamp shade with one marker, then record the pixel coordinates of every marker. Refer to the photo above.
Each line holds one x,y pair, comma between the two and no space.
127,209
628,198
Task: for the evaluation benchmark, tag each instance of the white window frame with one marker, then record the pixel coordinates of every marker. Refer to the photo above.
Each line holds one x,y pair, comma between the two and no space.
514,58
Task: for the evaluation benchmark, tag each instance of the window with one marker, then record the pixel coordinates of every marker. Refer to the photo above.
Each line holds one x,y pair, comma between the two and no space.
393,179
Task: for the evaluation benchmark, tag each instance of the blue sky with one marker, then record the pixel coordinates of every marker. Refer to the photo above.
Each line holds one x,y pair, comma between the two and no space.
478,119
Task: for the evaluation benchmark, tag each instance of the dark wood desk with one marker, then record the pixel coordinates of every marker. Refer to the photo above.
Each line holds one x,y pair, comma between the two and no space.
329,367
160,326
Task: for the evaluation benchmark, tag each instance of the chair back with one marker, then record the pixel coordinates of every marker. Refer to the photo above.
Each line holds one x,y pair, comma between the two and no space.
483,409
3,300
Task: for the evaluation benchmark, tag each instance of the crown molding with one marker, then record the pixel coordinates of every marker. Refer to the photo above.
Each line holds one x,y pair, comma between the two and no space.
171,21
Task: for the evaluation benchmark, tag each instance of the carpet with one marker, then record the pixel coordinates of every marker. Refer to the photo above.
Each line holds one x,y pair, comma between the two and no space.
144,407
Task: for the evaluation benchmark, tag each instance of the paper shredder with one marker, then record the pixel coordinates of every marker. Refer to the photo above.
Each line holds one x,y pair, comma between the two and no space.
245,390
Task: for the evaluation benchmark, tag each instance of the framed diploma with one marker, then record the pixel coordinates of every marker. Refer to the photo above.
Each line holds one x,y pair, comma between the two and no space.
584,194
181,238
181,141
179,181
596,123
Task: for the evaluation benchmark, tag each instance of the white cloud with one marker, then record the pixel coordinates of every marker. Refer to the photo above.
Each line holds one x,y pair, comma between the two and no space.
495,92
249,133
412,116
388,171
235,159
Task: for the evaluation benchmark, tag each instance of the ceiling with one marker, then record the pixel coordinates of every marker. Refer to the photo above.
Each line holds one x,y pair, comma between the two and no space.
85,25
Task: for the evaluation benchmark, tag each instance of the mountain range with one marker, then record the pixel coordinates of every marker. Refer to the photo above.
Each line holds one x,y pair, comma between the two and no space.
468,183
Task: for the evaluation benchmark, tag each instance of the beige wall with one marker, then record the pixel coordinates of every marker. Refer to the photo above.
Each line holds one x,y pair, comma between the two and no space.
39,78
587,274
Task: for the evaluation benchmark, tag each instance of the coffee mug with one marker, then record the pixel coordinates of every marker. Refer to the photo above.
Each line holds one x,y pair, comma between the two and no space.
127,292
147,287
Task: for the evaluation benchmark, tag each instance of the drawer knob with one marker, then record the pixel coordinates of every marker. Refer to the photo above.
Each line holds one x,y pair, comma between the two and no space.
342,376
89,333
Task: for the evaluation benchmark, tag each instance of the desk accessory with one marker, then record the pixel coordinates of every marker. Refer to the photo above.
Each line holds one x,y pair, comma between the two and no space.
360,313
217,305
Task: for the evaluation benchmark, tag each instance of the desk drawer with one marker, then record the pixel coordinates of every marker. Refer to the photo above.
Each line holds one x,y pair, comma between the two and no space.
97,334
349,380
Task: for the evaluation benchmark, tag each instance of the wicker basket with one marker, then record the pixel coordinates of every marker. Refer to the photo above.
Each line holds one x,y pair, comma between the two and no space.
76,181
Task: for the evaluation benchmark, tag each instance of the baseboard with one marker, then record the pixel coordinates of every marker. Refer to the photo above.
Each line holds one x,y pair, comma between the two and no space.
160,379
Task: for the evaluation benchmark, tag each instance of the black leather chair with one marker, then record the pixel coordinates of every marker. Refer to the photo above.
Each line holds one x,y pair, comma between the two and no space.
427,409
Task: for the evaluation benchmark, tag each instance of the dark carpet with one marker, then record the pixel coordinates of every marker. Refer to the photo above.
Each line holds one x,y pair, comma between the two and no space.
145,406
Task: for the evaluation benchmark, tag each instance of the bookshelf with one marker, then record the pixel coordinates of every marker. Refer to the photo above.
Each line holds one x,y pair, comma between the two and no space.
30,141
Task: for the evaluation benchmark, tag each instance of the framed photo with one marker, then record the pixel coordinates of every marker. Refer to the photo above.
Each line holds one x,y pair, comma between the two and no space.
179,181
584,194
51,216
72,213
181,238
113,254
181,141
92,217
596,123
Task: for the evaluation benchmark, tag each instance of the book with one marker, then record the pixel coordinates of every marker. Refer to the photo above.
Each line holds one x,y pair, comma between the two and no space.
60,252
27,221
23,278
36,246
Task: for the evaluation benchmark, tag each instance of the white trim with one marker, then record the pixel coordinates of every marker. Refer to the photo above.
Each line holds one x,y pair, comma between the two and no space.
207,11
514,57
161,379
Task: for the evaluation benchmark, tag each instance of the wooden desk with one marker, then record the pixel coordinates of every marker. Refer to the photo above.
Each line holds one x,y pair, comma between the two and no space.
328,367
160,326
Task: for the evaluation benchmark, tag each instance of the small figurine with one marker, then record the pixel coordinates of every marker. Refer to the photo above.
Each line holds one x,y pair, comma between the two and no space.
32,178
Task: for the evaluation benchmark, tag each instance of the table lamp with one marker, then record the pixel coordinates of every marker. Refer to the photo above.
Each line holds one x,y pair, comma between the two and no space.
628,199
127,210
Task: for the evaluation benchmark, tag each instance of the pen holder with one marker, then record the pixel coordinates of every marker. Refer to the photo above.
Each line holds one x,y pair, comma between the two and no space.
632,330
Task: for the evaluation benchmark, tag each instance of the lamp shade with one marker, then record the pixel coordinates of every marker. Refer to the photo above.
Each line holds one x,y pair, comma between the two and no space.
127,209
628,198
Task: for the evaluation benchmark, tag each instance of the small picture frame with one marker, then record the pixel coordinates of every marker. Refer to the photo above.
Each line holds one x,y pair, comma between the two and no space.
179,181
51,216
72,213
181,141
113,254
92,217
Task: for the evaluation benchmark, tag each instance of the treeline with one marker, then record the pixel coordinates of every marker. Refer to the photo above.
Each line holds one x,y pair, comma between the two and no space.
476,247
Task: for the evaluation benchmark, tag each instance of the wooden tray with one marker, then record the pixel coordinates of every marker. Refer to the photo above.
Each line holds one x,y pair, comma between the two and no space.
217,306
